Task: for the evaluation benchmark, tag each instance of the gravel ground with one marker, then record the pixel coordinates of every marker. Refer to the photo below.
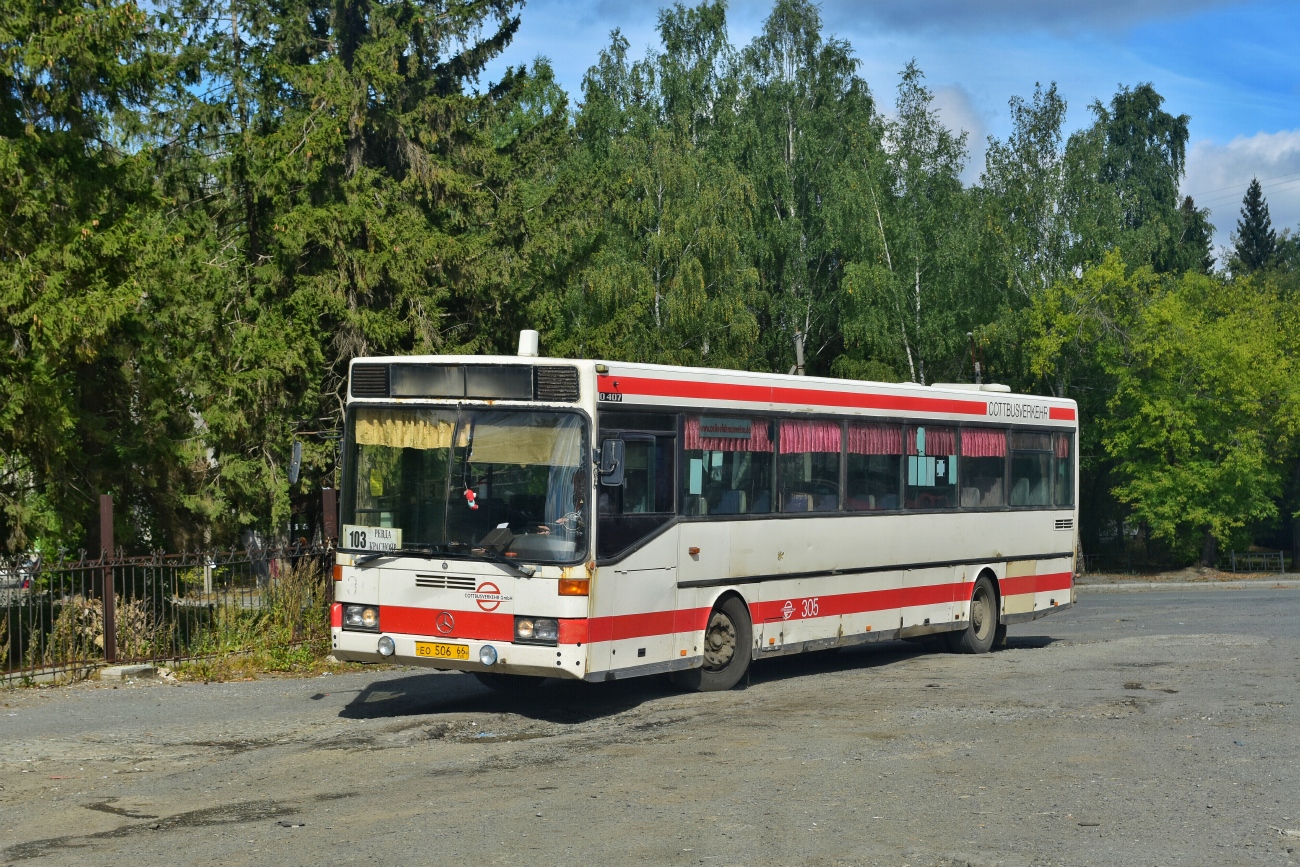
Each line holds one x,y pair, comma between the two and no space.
1147,728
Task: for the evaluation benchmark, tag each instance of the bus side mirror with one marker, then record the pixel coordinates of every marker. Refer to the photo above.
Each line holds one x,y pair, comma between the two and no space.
611,463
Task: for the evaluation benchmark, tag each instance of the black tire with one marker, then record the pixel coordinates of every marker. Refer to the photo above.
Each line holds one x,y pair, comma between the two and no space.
728,637
509,684
982,630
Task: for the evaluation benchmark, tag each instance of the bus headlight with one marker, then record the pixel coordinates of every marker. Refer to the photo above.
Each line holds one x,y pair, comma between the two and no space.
362,617
386,646
537,630
487,655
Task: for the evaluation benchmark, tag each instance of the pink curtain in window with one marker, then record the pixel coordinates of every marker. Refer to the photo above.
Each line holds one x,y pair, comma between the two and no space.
939,441
981,443
758,441
798,437
875,439
1062,446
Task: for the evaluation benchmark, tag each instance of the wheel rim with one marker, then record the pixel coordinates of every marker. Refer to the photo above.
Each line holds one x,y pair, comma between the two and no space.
719,642
981,613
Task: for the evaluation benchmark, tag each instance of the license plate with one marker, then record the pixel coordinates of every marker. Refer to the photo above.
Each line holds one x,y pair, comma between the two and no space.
435,650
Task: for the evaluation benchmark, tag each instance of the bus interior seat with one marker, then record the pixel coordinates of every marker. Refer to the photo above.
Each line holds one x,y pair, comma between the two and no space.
732,503
797,502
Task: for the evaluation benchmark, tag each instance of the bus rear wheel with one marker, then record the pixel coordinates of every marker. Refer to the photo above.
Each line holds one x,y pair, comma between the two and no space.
982,630
727,639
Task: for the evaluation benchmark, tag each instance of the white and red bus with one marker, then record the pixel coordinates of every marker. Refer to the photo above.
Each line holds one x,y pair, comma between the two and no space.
525,516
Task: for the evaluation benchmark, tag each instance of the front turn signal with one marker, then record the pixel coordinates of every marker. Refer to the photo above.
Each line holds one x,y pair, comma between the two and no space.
574,586
338,572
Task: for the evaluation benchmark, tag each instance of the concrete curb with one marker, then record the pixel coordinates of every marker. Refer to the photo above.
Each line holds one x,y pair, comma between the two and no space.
122,672
1133,586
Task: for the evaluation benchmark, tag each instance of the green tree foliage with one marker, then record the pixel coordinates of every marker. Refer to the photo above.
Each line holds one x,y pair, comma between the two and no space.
210,207
1206,411
1194,391
912,298
92,315
1024,183
1195,246
1143,159
658,269
804,116
369,201
1254,243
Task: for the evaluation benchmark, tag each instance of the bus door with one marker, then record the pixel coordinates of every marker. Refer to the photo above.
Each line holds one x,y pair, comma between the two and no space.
636,602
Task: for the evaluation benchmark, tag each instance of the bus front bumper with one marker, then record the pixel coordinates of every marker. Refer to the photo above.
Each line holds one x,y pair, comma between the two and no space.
565,660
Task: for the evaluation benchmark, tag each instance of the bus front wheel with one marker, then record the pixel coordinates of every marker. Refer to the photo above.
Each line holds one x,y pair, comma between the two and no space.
727,639
982,630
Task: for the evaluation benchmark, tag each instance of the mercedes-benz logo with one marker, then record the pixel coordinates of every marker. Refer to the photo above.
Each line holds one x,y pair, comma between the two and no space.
445,623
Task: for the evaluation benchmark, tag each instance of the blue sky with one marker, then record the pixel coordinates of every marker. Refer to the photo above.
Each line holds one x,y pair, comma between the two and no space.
1234,67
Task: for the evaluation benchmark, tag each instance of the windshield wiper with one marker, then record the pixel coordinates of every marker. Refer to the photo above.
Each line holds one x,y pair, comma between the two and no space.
490,556
429,551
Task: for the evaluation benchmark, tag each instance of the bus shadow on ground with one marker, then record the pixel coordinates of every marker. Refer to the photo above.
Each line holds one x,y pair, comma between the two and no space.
554,702
571,702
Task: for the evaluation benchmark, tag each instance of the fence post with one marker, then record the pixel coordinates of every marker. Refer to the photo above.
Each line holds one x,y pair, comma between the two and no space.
106,557
329,516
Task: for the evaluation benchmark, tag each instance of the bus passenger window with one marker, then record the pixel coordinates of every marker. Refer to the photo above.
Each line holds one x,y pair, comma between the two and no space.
983,467
728,463
810,466
1031,456
931,468
875,467
1064,462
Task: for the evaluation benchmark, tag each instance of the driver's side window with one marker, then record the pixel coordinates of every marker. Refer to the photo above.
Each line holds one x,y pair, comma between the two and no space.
635,509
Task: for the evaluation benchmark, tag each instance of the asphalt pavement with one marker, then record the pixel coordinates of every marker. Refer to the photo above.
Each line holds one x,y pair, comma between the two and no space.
1154,727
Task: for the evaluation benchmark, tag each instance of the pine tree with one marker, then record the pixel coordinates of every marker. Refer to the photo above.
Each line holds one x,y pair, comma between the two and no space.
1256,242
357,193
1194,248
88,405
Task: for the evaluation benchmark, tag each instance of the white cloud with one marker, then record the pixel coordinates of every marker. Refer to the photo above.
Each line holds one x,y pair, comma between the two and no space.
1218,174
956,109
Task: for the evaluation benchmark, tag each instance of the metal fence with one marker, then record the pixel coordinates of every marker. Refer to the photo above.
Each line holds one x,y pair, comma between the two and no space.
1257,561
57,621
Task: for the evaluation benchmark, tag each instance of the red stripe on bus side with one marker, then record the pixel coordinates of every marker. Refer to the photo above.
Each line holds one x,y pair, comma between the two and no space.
778,394
1063,413
500,627
468,624
1036,583
575,631
620,626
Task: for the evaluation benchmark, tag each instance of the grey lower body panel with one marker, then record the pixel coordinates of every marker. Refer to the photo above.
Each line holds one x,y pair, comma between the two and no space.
829,643
643,670
1027,616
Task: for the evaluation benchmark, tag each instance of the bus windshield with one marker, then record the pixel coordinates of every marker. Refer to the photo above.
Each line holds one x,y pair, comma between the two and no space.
474,481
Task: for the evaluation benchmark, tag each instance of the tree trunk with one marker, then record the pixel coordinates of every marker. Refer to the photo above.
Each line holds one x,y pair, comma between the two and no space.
1209,549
